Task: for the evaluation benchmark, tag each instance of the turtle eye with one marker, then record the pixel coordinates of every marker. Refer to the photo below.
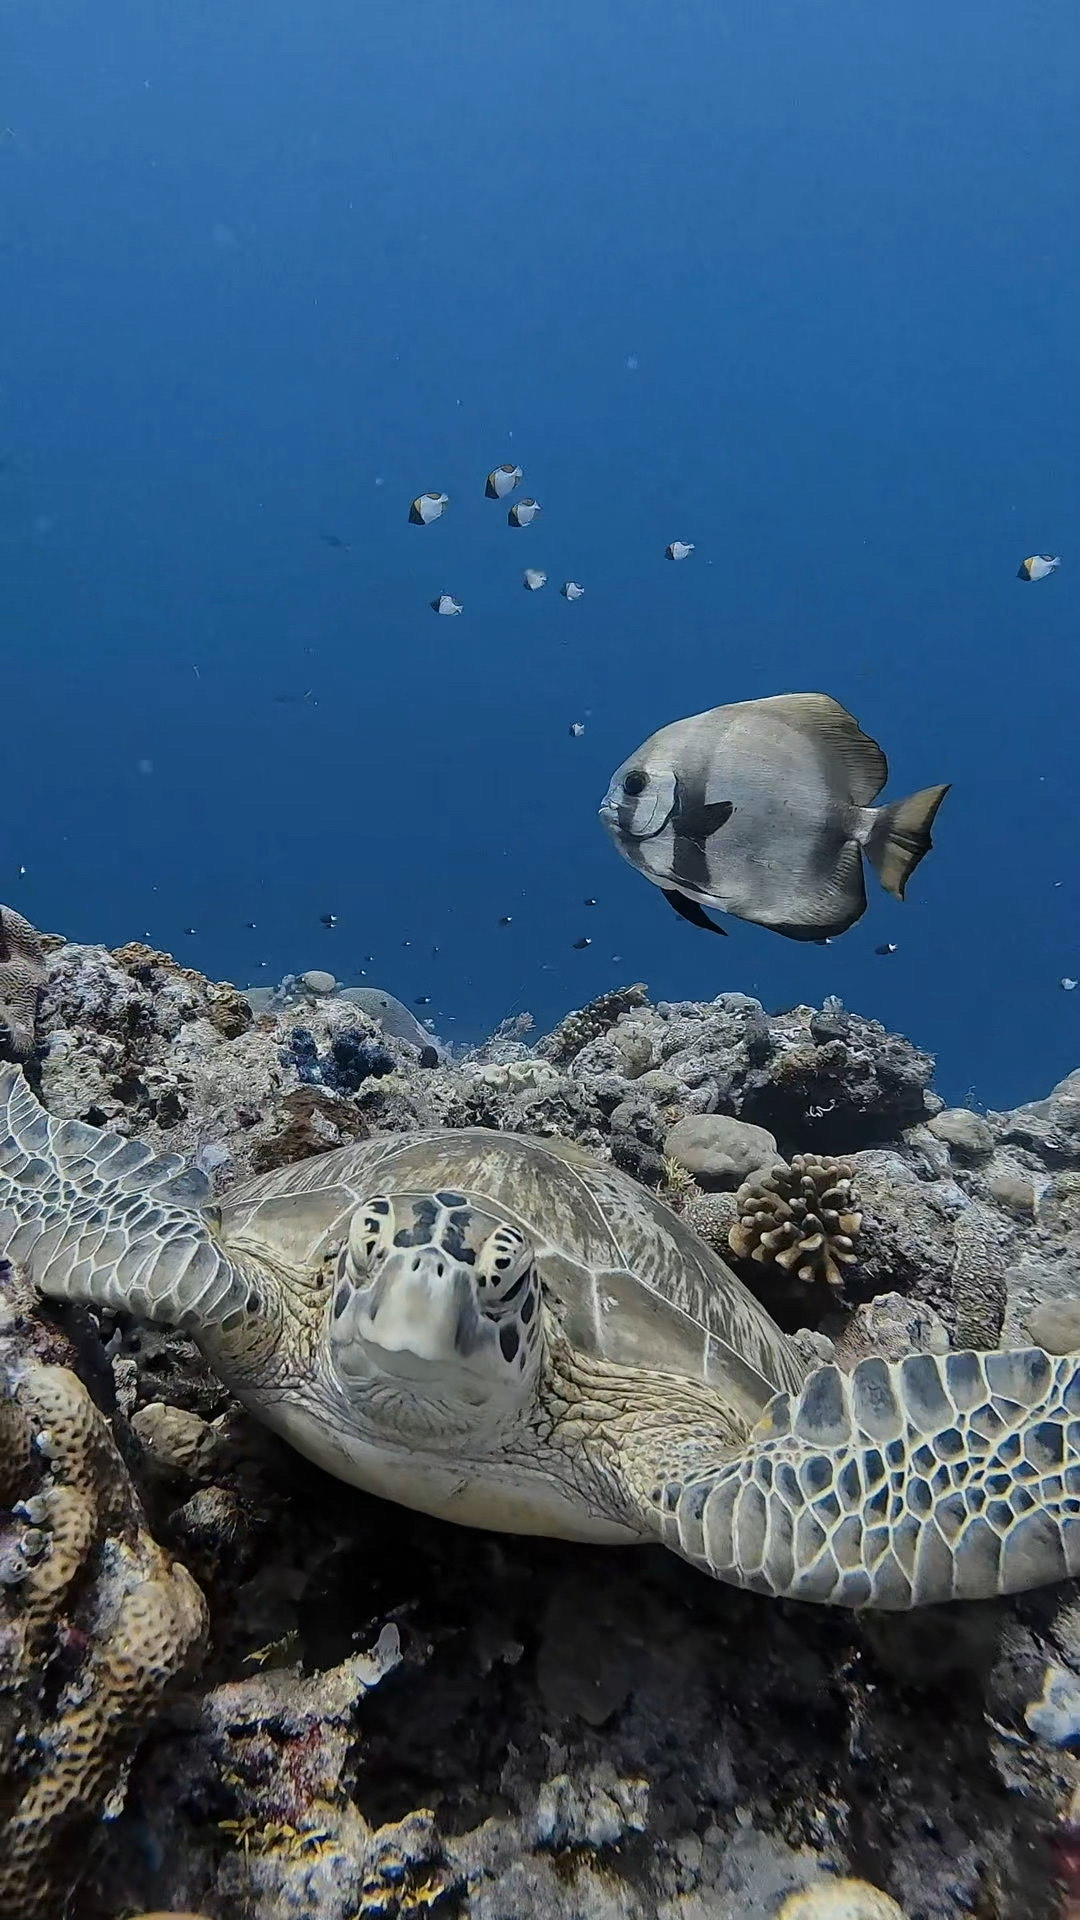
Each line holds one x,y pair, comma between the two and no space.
634,784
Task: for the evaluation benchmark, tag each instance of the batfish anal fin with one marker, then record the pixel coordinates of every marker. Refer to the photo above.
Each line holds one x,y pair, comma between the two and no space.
689,910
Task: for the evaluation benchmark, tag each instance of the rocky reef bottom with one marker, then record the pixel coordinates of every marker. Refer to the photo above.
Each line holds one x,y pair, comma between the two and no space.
383,1715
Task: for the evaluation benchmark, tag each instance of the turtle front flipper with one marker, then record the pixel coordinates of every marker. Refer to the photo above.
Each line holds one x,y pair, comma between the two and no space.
953,1477
93,1216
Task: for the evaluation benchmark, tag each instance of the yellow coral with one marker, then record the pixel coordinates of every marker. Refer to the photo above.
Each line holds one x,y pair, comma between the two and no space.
841,1900
677,1180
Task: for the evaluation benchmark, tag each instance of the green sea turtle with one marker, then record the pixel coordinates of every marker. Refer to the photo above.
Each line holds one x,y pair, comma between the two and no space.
503,1332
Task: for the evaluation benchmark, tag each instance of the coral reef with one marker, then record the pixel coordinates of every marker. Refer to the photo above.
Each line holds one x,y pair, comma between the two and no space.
22,975
802,1218
96,1622
576,1031
350,1059
398,1716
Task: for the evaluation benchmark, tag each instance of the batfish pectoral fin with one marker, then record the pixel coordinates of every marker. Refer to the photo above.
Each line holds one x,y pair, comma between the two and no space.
697,823
690,910
898,837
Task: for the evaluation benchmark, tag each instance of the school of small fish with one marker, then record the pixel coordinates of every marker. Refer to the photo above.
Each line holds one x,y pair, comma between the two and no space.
762,809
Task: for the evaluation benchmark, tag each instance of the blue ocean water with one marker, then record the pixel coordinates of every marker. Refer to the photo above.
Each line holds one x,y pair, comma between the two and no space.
797,284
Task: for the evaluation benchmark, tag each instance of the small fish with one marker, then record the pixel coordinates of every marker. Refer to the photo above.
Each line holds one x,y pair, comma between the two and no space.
428,507
445,603
191,929
571,590
250,925
523,513
533,579
580,945
762,809
423,1001
590,902
328,919
502,480
577,728
506,921
1067,984
889,947
679,550
1038,566
335,540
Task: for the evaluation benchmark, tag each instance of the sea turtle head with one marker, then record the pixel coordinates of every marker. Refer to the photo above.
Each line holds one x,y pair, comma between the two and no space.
436,1319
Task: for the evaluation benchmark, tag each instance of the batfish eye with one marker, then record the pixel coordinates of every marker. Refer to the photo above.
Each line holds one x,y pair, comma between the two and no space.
635,783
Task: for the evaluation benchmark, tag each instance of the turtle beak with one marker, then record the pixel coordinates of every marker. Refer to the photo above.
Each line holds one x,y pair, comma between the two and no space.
421,1307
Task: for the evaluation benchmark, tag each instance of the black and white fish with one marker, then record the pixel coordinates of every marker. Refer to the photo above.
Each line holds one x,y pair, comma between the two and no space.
428,507
762,810
502,480
679,549
571,590
533,579
1038,566
523,512
445,603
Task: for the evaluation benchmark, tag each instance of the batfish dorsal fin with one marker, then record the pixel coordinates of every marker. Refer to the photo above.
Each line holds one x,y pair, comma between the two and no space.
821,717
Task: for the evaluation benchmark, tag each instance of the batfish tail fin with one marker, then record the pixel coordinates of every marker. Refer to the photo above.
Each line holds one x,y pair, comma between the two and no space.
897,837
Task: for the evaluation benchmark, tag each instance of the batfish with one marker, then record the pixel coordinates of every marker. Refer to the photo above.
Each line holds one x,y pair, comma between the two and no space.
763,810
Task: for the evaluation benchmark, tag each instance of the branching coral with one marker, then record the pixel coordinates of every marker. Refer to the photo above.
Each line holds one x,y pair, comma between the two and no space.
96,1623
803,1218
22,975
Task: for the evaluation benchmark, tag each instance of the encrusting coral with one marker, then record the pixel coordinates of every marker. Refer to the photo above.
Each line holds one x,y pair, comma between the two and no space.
588,1023
802,1217
22,975
96,1622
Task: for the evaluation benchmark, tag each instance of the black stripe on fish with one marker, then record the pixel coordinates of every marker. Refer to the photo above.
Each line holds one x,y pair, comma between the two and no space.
690,910
693,819
697,823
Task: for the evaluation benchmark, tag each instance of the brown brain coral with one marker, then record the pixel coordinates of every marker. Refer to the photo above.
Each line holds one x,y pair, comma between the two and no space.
803,1218
96,1623
22,974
